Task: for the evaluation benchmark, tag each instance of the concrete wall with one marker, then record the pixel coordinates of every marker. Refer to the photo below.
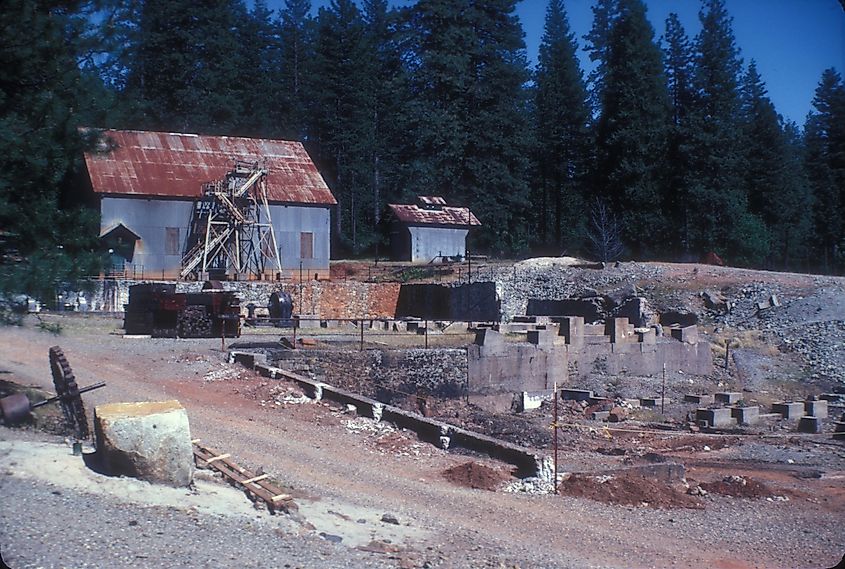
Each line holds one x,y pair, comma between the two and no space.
429,242
497,366
350,299
149,218
476,302
634,358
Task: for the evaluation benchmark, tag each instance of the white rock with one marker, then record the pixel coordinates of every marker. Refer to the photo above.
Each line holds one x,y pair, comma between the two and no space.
149,440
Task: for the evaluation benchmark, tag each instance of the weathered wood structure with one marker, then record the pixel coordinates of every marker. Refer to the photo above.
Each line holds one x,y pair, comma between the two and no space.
148,186
430,231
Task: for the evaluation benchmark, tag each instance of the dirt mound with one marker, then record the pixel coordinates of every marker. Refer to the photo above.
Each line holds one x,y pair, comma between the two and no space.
738,487
628,491
476,475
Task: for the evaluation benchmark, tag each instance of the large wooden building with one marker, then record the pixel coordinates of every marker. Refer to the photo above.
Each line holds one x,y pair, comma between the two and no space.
147,185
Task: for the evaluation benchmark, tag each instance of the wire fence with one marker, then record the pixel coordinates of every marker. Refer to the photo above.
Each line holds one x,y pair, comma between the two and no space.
362,332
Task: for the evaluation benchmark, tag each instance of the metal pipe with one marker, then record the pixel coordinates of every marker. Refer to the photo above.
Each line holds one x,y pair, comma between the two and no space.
59,397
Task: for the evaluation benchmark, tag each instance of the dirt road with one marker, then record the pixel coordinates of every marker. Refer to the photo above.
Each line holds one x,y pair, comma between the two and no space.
346,478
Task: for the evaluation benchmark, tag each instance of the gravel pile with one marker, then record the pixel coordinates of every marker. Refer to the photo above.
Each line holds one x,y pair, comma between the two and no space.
553,278
813,326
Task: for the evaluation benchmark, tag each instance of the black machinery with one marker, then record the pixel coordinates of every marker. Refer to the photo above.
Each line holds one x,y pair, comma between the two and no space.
17,407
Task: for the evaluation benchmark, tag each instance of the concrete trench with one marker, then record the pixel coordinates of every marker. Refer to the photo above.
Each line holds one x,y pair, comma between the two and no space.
528,463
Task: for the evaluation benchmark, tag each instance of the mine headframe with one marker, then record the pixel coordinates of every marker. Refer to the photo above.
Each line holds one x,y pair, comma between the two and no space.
231,230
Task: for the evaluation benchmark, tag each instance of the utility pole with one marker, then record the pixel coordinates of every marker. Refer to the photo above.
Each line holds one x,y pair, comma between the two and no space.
554,436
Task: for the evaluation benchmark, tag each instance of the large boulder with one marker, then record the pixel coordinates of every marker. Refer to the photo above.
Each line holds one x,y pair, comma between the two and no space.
149,440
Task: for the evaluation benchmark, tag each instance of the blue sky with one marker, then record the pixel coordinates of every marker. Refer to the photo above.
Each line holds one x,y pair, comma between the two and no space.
792,41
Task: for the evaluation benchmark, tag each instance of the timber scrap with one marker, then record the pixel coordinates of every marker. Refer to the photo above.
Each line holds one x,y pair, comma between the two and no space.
256,486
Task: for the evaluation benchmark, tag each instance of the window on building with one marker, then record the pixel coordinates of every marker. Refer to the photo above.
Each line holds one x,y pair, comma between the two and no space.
306,245
171,241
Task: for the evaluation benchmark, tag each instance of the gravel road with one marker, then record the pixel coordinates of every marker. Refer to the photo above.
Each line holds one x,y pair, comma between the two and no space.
341,476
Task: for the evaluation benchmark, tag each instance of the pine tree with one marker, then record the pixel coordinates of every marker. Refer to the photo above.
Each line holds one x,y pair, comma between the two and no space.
715,181
777,192
43,100
296,82
633,130
389,87
678,64
825,166
342,120
470,135
562,118
185,70
258,68
598,42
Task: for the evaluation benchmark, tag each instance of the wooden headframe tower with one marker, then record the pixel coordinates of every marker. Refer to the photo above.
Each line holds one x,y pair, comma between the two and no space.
231,228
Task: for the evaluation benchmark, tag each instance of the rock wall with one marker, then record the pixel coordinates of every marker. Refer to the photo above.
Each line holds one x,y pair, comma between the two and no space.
390,376
327,299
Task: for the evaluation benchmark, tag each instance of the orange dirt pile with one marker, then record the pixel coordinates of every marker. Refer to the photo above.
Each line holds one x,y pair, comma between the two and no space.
628,491
476,475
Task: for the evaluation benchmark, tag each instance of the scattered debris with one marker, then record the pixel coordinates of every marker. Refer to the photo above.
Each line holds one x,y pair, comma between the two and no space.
738,487
390,519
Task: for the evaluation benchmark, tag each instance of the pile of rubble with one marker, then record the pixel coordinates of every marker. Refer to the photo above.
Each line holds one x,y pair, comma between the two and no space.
556,278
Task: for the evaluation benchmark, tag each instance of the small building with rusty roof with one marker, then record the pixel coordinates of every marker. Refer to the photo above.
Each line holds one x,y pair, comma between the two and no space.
429,230
147,185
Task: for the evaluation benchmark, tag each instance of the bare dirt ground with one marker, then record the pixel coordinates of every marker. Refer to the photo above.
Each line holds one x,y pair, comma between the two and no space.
347,472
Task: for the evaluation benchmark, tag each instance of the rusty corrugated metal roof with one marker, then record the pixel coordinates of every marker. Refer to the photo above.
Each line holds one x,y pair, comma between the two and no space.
145,163
442,215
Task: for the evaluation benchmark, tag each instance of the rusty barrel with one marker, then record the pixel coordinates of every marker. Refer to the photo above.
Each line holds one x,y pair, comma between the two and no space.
14,408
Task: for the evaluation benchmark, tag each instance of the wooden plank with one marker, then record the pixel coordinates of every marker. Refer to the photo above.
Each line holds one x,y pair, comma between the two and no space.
255,479
260,487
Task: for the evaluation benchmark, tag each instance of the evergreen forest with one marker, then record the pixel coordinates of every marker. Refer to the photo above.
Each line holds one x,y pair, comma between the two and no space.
668,149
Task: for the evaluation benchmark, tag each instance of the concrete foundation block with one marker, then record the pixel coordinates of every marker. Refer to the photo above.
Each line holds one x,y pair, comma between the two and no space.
716,418
540,337
486,337
810,425
575,394
647,337
789,410
728,397
150,441
746,415
617,329
653,401
599,415
594,329
698,399
572,329
534,399
687,334
816,408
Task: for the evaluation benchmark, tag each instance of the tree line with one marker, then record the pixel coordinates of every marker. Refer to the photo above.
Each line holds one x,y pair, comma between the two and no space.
669,148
